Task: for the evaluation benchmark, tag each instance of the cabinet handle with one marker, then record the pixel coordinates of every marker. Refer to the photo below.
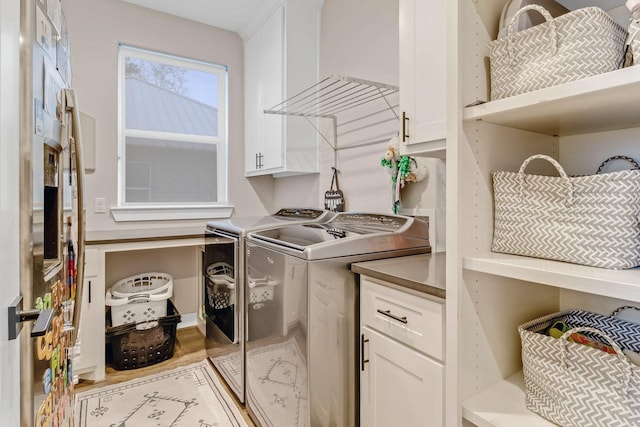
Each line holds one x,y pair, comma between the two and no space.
89,291
363,340
405,126
388,313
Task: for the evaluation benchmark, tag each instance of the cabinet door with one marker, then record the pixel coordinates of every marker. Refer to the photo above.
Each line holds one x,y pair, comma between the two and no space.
399,386
264,58
423,70
272,92
252,105
87,341
90,344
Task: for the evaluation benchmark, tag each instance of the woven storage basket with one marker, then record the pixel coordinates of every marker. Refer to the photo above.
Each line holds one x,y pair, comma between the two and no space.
573,46
590,220
574,385
634,40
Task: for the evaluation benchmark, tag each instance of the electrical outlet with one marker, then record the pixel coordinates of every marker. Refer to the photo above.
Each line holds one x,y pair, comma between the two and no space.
99,205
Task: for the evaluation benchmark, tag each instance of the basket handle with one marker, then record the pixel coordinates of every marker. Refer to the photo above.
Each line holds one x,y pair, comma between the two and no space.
547,16
147,297
561,172
143,326
334,179
624,307
619,354
628,159
627,308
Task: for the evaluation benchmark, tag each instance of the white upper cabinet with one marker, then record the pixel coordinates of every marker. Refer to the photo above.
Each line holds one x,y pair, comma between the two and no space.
281,59
423,77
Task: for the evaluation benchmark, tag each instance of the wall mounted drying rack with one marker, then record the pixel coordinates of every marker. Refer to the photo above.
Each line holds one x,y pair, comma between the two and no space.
336,94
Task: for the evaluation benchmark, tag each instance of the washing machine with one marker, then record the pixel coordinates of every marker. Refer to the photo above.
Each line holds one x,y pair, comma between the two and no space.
225,274
303,316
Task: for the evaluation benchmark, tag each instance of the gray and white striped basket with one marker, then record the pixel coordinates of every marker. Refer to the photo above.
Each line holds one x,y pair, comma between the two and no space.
634,40
573,46
590,220
574,385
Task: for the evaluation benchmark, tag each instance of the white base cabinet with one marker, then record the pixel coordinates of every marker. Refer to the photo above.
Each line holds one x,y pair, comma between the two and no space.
401,370
89,359
399,386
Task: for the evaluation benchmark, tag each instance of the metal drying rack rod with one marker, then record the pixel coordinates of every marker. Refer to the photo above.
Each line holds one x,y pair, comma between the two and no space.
336,94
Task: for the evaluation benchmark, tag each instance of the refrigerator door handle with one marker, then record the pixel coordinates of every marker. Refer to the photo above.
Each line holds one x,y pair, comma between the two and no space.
17,315
76,148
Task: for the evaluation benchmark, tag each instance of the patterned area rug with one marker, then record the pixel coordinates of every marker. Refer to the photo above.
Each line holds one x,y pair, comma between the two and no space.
187,396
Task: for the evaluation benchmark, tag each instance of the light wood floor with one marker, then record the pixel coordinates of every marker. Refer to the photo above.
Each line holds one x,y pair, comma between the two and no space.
189,348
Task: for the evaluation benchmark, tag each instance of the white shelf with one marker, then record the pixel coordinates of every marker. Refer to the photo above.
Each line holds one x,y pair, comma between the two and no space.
502,405
603,102
434,149
623,284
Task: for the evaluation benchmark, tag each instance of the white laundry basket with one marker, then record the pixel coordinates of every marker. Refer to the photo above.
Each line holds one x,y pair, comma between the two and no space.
139,298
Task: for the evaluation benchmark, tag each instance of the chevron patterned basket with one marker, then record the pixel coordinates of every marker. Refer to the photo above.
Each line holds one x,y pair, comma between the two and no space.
589,220
573,46
634,40
574,385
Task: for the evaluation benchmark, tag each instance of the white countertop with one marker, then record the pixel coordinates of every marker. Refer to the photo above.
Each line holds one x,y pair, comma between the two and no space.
144,234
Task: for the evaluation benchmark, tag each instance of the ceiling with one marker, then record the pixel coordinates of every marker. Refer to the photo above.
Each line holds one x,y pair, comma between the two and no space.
233,15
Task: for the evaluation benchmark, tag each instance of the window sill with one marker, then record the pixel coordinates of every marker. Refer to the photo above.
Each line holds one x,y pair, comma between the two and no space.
168,213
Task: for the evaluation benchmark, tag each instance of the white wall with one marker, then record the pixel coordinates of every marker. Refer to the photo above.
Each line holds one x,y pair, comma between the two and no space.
364,48
95,29
359,38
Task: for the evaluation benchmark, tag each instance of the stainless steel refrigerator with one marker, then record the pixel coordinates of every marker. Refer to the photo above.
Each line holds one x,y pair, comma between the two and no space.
46,314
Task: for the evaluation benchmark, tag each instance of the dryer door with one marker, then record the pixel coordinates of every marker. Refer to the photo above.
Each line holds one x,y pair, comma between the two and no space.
223,301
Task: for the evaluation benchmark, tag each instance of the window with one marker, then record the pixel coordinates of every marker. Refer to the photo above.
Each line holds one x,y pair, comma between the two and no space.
173,136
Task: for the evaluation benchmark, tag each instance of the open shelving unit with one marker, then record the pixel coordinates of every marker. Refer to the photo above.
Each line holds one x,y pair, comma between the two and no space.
599,103
502,405
490,294
351,104
623,284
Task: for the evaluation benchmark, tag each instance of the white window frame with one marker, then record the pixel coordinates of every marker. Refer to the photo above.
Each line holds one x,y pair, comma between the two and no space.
128,211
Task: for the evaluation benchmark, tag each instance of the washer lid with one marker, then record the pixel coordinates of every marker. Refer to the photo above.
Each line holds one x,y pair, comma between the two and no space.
305,235
346,234
285,216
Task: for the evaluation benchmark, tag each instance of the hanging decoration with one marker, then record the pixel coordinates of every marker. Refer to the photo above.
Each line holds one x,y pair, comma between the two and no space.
403,169
334,198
